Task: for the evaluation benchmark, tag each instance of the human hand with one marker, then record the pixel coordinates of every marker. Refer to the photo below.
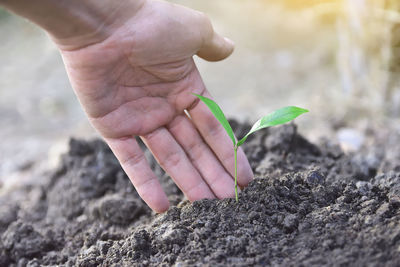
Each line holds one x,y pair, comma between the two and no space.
138,82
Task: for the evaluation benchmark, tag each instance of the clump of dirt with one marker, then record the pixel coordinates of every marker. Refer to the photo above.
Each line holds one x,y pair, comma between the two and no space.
309,205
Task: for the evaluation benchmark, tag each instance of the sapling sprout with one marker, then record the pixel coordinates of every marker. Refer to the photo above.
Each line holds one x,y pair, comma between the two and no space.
277,117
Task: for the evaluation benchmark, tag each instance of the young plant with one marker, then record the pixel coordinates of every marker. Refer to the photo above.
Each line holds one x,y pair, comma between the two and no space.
279,116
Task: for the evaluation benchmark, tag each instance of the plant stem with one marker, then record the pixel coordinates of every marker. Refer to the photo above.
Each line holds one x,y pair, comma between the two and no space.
236,190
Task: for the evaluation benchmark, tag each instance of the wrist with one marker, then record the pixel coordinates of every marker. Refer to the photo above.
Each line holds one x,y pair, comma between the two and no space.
73,24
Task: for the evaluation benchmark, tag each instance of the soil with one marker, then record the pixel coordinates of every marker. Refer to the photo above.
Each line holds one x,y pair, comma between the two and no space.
310,205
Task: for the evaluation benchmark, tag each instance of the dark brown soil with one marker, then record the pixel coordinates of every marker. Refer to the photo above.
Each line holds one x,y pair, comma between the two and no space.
310,205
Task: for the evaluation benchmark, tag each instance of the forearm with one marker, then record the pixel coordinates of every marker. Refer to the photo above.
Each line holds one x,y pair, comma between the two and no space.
75,22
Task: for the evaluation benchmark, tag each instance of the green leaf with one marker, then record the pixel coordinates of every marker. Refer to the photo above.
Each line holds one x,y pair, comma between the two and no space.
219,115
279,116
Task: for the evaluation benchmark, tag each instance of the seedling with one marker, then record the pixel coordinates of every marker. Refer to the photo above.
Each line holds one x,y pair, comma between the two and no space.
279,116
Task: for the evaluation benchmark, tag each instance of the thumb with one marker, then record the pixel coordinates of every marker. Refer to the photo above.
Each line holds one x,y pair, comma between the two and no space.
216,48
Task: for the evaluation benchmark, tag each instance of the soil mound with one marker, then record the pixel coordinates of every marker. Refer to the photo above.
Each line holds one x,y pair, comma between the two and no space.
310,205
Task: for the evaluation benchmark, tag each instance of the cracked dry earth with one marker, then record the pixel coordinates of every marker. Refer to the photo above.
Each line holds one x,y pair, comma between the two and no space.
310,205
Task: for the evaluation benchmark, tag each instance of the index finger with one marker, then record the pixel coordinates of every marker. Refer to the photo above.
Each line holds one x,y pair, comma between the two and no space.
134,163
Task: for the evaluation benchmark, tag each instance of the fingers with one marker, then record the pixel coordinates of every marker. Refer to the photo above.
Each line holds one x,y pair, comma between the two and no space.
215,47
136,167
175,162
217,139
202,157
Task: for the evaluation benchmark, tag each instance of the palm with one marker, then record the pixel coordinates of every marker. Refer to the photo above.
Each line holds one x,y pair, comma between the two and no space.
136,84
123,99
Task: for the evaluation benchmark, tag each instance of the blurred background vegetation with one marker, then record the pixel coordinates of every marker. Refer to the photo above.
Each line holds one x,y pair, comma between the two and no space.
338,58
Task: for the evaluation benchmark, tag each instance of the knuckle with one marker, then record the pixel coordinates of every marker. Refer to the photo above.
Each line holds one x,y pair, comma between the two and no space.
142,187
215,130
195,150
132,160
172,160
151,135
